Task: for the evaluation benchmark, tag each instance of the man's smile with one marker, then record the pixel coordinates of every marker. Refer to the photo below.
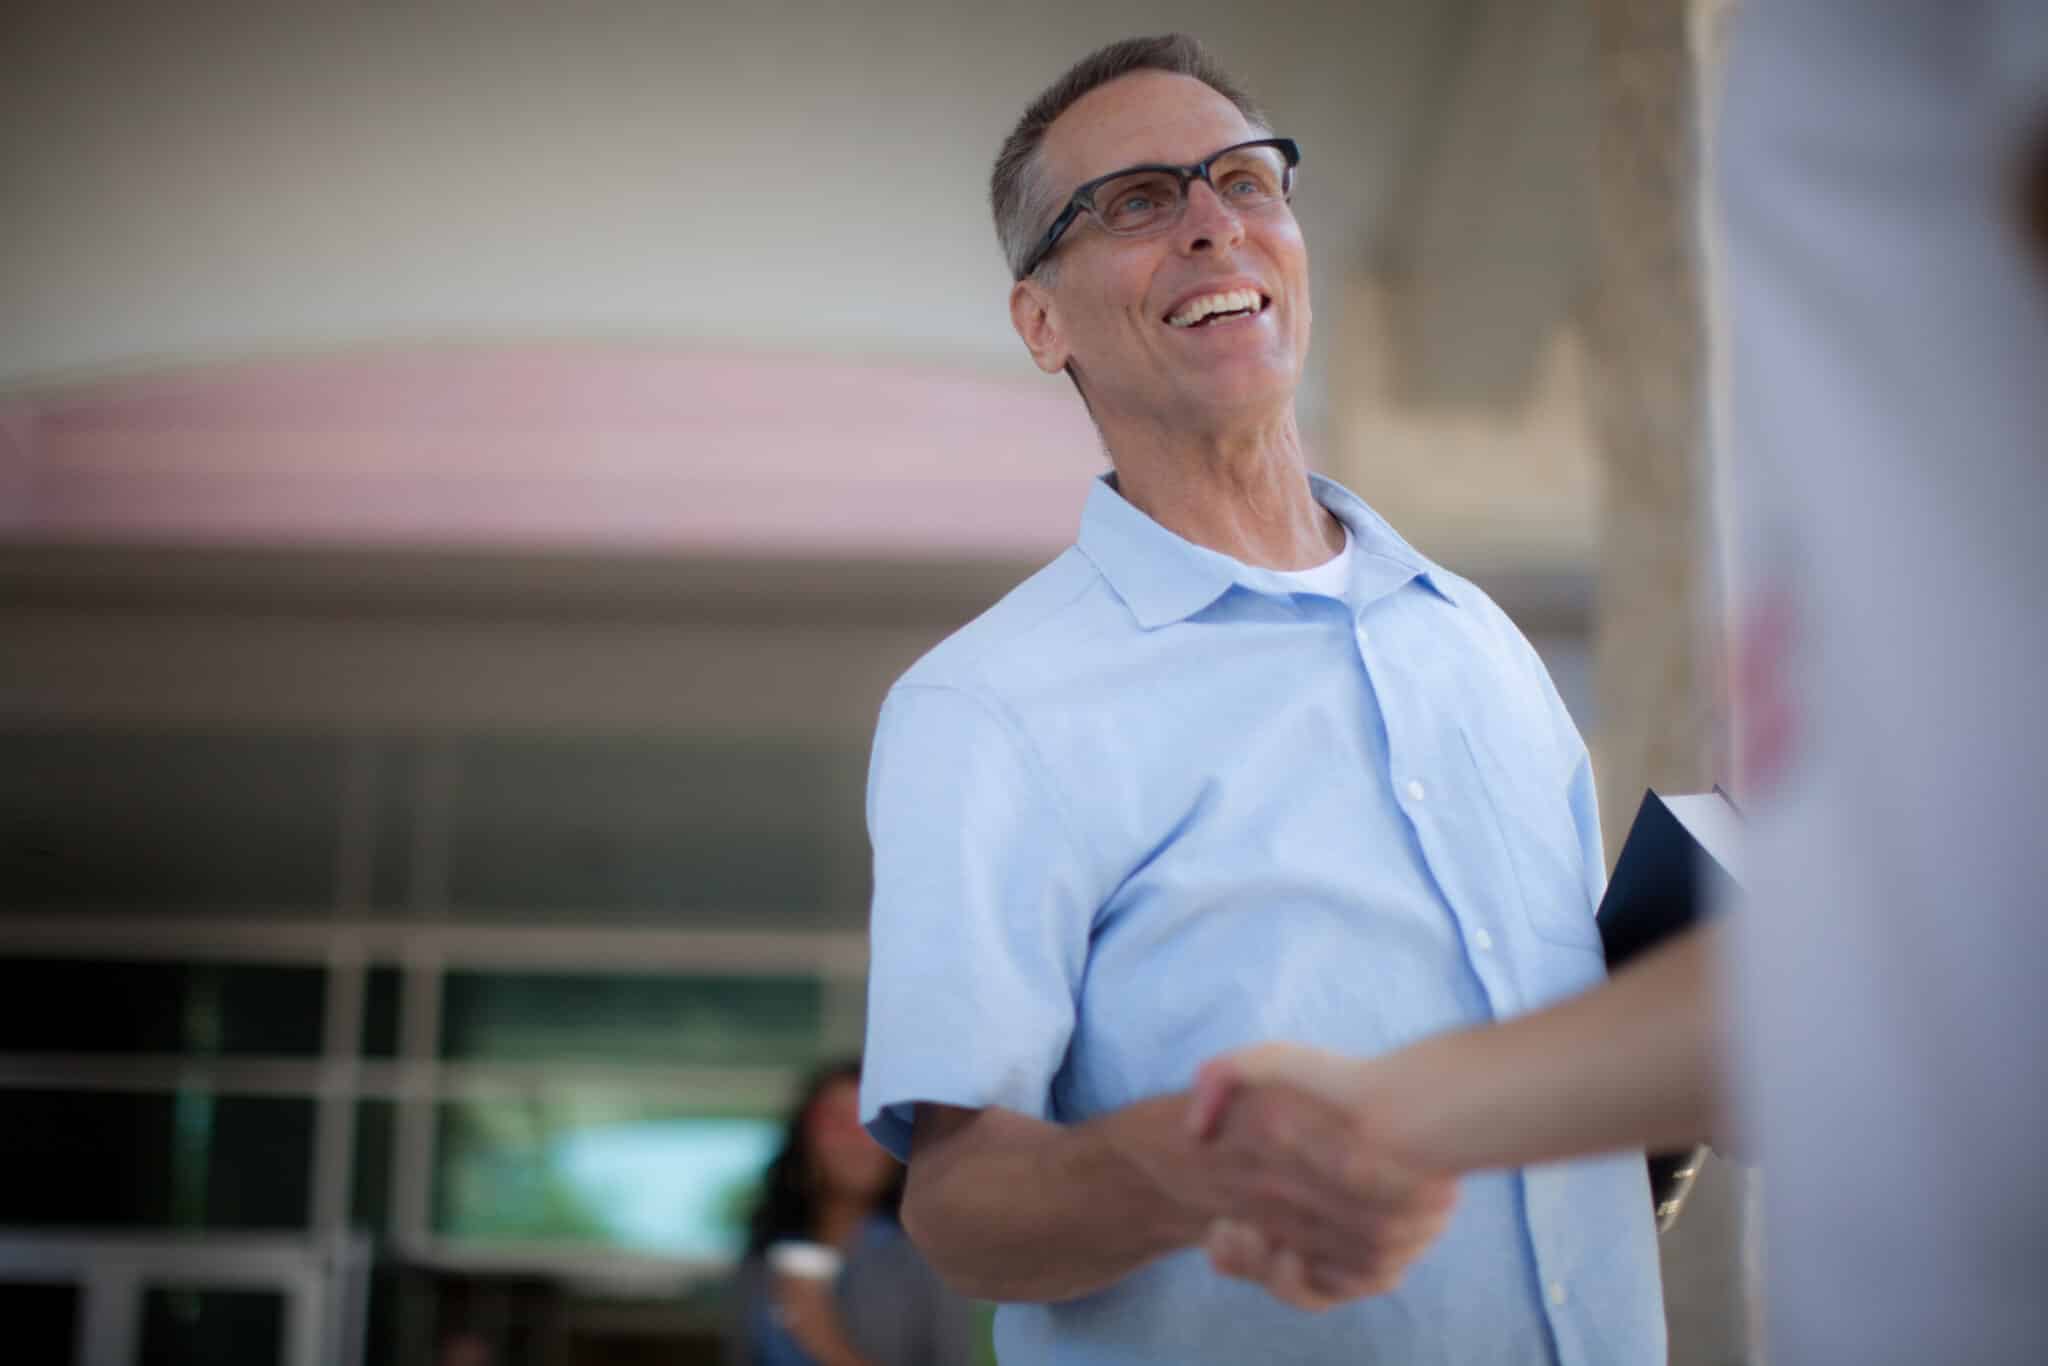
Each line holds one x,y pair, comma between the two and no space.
1213,306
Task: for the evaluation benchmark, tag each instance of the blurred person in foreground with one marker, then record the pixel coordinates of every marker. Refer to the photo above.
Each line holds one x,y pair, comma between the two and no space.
829,1278
1883,1046
1242,764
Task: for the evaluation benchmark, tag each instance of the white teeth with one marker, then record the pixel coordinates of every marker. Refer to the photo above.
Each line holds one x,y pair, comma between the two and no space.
1235,301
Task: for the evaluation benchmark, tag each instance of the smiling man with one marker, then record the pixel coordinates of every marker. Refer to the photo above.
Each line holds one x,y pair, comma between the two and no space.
1239,766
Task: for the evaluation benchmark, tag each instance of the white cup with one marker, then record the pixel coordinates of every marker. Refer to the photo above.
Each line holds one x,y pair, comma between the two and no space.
805,1261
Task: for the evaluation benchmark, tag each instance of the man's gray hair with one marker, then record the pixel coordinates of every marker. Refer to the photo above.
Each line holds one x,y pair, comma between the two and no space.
1017,192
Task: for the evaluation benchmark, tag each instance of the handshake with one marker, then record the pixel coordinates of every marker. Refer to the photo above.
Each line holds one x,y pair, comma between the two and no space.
1310,1173
1324,1178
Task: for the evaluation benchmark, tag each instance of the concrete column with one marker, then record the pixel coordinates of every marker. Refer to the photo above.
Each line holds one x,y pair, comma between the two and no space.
1647,337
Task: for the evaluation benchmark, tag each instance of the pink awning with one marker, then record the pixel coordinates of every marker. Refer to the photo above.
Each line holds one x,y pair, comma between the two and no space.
587,447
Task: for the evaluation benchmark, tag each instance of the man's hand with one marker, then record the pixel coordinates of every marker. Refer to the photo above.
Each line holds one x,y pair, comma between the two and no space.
1010,1207
1326,1210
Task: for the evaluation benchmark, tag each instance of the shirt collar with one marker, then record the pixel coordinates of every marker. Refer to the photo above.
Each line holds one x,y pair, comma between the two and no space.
1164,579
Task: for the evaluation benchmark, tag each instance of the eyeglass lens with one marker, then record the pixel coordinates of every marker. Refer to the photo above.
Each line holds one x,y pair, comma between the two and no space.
1246,178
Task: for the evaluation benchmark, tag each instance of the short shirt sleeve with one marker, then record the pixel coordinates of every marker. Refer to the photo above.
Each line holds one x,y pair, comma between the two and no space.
981,916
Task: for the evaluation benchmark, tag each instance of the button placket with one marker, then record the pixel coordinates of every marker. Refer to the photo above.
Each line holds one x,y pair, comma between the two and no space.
1437,828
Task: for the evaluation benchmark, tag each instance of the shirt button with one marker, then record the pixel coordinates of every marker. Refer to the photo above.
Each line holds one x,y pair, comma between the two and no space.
1416,791
1557,1294
1482,941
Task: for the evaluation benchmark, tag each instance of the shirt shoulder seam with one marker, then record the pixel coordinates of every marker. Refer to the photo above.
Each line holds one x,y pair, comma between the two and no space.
1014,730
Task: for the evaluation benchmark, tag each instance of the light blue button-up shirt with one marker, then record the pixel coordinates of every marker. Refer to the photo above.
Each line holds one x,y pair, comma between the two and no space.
1157,804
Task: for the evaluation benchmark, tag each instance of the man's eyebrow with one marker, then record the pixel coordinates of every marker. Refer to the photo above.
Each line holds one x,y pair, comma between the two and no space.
1130,166
1167,163
1155,167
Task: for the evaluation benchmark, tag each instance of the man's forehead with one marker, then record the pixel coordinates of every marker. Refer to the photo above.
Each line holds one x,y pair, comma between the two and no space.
1146,116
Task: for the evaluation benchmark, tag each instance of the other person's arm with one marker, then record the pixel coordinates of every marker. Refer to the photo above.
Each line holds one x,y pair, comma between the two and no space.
1633,1063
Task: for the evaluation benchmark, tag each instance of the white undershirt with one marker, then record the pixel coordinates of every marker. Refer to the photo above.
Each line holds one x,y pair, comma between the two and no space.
1329,578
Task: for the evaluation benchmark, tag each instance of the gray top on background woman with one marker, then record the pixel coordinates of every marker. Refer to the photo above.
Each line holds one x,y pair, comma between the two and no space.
832,1190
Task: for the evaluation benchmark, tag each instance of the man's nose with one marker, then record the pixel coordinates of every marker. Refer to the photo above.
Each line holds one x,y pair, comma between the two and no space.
1208,224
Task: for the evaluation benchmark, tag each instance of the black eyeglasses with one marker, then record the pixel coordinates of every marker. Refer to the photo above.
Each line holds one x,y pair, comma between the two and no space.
1145,199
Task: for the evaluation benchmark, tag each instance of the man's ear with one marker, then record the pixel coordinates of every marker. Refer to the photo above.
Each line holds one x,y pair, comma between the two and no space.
1033,314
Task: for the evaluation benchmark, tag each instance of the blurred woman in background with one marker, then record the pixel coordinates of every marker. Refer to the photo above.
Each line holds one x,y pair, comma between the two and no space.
829,1277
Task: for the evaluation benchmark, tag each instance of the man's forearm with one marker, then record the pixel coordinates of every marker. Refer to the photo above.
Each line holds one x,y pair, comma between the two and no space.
1013,1208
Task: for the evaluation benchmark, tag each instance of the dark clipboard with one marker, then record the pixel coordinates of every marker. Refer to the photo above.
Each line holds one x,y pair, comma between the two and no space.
1678,866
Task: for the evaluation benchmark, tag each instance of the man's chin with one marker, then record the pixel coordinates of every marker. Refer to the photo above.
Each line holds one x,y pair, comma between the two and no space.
1240,391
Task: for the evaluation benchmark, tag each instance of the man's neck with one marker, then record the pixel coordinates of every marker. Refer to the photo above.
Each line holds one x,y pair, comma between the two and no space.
1242,493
